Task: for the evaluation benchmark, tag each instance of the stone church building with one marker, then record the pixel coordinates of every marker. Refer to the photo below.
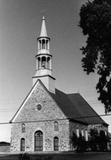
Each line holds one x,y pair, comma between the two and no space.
47,117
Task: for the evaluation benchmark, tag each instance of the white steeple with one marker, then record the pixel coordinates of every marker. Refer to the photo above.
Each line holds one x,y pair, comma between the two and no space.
43,32
44,60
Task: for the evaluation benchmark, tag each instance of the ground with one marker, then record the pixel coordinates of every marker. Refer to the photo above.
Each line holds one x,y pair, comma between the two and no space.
60,156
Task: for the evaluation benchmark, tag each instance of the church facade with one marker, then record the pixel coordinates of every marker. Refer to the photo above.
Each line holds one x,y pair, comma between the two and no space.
48,117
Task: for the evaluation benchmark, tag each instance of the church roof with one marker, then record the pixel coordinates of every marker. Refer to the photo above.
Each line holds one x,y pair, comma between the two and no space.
76,108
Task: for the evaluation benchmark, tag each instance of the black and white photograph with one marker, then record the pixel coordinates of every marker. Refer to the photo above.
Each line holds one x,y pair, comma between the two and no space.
55,79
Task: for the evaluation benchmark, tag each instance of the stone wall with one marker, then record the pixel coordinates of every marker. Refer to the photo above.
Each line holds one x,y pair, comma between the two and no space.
48,135
49,110
42,119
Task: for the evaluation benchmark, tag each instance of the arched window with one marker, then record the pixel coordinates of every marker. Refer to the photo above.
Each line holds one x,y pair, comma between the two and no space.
22,144
86,135
56,126
39,46
106,133
47,44
38,141
38,63
48,62
56,143
43,62
43,44
82,133
23,127
77,132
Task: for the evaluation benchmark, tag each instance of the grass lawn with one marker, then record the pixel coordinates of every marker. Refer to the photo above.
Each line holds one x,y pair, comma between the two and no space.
60,156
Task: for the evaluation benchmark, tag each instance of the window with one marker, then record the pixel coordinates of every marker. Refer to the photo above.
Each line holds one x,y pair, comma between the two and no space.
43,44
47,44
86,135
22,145
77,132
48,63
23,127
56,126
38,63
82,133
39,106
106,133
39,46
38,141
56,143
43,62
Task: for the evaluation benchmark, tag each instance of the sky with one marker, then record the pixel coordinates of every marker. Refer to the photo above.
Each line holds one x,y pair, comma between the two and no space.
20,23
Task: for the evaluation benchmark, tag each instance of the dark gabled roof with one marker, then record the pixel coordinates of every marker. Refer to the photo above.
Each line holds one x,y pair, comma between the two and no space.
86,110
66,105
75,107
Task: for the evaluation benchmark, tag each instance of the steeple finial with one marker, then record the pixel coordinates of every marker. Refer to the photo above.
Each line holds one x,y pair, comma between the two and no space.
43,18
43,32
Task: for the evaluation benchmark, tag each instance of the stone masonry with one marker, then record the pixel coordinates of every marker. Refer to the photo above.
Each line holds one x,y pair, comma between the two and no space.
40,120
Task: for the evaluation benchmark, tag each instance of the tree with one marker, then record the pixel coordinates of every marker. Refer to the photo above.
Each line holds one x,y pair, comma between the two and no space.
103,140
98,140
81,147
74,140
93,142
78,143
95,21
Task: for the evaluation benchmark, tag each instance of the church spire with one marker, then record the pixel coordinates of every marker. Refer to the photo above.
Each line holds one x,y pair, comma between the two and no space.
44,60
43,32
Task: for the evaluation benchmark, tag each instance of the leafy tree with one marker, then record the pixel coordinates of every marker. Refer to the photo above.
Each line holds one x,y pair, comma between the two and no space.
78,143
81,147
95,21
98,140
74,140
93,142
103,139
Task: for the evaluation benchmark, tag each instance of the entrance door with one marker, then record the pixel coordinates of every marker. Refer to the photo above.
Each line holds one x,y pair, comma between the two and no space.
38,140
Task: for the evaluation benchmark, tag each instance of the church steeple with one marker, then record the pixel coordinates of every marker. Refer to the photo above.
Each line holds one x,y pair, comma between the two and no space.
43,40
43,32
44,59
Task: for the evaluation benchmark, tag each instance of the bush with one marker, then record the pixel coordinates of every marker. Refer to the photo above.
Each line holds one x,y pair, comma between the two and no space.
78,143
98,141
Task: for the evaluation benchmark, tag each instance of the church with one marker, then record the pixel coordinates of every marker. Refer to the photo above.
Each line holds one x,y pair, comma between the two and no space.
48,117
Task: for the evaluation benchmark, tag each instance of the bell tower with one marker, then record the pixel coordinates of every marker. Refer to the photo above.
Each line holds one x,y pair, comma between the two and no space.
44,60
